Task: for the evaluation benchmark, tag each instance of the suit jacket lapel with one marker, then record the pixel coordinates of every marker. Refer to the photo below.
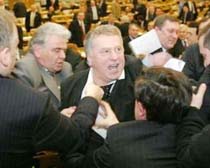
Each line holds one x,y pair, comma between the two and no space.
123,99
51,83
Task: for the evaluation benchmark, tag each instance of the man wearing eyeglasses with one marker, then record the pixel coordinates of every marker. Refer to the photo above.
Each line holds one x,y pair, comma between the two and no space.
111,70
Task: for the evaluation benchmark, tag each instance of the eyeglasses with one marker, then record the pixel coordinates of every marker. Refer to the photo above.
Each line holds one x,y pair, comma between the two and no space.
109,51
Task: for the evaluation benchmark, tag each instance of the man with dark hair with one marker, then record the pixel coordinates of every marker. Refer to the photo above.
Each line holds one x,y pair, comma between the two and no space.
29,123
161,96
193,138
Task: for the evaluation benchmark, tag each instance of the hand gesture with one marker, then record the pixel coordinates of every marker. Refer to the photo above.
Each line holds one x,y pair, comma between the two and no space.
69,111
94,91
108,117
197,99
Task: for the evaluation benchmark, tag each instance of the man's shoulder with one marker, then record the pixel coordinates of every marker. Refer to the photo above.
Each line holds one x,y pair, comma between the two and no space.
27,61
20,90
76,78
133,66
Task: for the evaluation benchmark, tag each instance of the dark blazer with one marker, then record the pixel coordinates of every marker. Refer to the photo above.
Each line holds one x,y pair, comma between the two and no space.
195,70
178,49
195,7
194,66
20,37
19,9
186,17
193,141
90,12
55,5
37,21
127,49
103,8
139,144
135,144
121,98
77,33
29,124
124,29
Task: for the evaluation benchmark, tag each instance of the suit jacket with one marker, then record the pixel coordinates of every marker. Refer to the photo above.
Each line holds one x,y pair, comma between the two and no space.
37,21
55,5
122,95
121,98
32,74
77,33
186,17
194,67
178,49
193,141
124,29
135,144
127,49
30,124
19,9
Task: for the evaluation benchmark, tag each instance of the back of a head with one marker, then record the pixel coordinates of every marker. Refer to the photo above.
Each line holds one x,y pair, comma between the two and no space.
47,30
107,30
164,93
7,24
8,42
205,33
160,20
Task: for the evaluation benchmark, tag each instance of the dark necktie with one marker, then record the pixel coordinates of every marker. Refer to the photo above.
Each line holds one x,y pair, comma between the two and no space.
107,91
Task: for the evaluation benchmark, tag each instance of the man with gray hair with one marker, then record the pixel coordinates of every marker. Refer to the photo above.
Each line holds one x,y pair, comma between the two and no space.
43,67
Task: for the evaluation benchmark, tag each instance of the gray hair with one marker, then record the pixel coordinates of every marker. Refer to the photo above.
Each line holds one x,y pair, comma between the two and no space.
7,28
46,30
107,30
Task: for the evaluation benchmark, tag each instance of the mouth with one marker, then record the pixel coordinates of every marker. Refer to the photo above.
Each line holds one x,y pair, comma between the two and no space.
113,67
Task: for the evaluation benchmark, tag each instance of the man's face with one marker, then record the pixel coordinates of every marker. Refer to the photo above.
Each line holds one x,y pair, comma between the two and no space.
133,31
168,34
52,54
204,51
106,59
81,16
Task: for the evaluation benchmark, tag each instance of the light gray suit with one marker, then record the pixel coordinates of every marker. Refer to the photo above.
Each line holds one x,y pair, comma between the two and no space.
31,73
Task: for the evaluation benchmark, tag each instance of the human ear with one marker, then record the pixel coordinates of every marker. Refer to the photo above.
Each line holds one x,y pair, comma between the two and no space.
140,111
5,57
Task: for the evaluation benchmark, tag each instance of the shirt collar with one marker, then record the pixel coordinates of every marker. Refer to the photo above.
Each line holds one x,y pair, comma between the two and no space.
90,80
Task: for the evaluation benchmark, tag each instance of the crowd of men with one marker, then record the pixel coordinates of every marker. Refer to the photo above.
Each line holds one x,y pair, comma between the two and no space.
117,110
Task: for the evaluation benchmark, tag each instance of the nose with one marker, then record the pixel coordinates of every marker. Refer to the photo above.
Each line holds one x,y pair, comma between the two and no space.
114,55
62,54
175,34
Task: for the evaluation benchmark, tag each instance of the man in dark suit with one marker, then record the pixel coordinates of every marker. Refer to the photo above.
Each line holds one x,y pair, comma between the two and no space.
133,32
79,28
53,3
28,121
105,56
33,18
19,9
150,140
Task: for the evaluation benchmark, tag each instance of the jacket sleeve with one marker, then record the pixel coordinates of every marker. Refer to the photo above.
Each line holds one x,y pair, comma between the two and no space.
56,132
193,141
